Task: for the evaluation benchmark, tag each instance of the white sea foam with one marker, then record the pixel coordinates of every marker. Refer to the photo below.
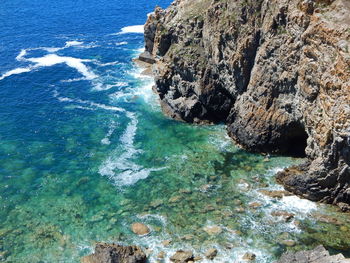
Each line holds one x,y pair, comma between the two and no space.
128,172
15,72
110,86
73,43
51,60
111,129
138,29
121,43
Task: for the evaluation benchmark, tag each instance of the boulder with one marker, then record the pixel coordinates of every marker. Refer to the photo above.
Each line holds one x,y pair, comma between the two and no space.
211,253
140,229
114,253
182,256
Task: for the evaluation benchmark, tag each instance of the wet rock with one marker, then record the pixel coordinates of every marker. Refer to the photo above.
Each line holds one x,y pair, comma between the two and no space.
156,203
197,258
255,205
213,230
161,255
113,253
175,199
327,219
185,191
209,208
237,202
211,253
206,187
275,194
188,237
316,255
284,214
140,229
249,256
344,207
182,256
288,243
166,243
240,209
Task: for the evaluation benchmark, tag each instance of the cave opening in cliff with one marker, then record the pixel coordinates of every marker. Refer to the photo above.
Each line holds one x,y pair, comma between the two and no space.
296,140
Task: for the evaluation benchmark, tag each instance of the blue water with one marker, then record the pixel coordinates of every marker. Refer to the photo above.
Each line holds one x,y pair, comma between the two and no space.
85,150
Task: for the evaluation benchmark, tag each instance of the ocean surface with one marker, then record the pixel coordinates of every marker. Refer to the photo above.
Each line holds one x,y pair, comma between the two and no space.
85,150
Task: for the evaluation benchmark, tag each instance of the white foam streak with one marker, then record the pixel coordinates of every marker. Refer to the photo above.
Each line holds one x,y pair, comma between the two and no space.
15,72
128,172
73,43
137,29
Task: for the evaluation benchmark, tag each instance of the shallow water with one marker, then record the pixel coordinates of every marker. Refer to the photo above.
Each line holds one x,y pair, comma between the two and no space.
85,150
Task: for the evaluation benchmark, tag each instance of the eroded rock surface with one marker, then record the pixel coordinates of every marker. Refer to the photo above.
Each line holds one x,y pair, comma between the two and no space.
317,255
277,72
113,253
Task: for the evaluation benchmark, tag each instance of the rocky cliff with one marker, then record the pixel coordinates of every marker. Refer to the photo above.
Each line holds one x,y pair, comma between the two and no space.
277,72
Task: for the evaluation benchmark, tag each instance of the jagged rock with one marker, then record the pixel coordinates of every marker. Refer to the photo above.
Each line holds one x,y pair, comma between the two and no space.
317,255
211,253
182,256
147,57
140,229
278,73
113,253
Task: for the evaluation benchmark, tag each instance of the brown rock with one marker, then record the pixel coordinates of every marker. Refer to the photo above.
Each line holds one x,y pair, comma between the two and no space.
140,229
113,253
249,256
211,253
213,230
182,256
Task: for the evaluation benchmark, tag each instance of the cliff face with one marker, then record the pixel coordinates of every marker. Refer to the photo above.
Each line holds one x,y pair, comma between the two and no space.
276,71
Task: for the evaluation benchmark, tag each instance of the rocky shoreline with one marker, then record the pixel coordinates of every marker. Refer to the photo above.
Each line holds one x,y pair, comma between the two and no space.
277,73
113,253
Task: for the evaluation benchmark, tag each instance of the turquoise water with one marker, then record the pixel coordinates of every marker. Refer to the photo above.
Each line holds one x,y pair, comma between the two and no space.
85,150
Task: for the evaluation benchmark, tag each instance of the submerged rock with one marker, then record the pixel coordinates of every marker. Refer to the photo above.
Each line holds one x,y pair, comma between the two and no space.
113,253
213,230
140,229
317,255
182,256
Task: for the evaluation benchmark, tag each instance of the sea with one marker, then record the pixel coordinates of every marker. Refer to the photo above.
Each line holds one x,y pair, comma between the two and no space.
85,151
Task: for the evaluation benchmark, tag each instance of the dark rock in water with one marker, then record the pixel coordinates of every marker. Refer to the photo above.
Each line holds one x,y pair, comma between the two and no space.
278,76
147,57
113,253
317,255
182,256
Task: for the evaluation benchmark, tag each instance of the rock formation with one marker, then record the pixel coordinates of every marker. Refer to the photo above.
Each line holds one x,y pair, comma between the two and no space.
317,255
112,253
277,72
